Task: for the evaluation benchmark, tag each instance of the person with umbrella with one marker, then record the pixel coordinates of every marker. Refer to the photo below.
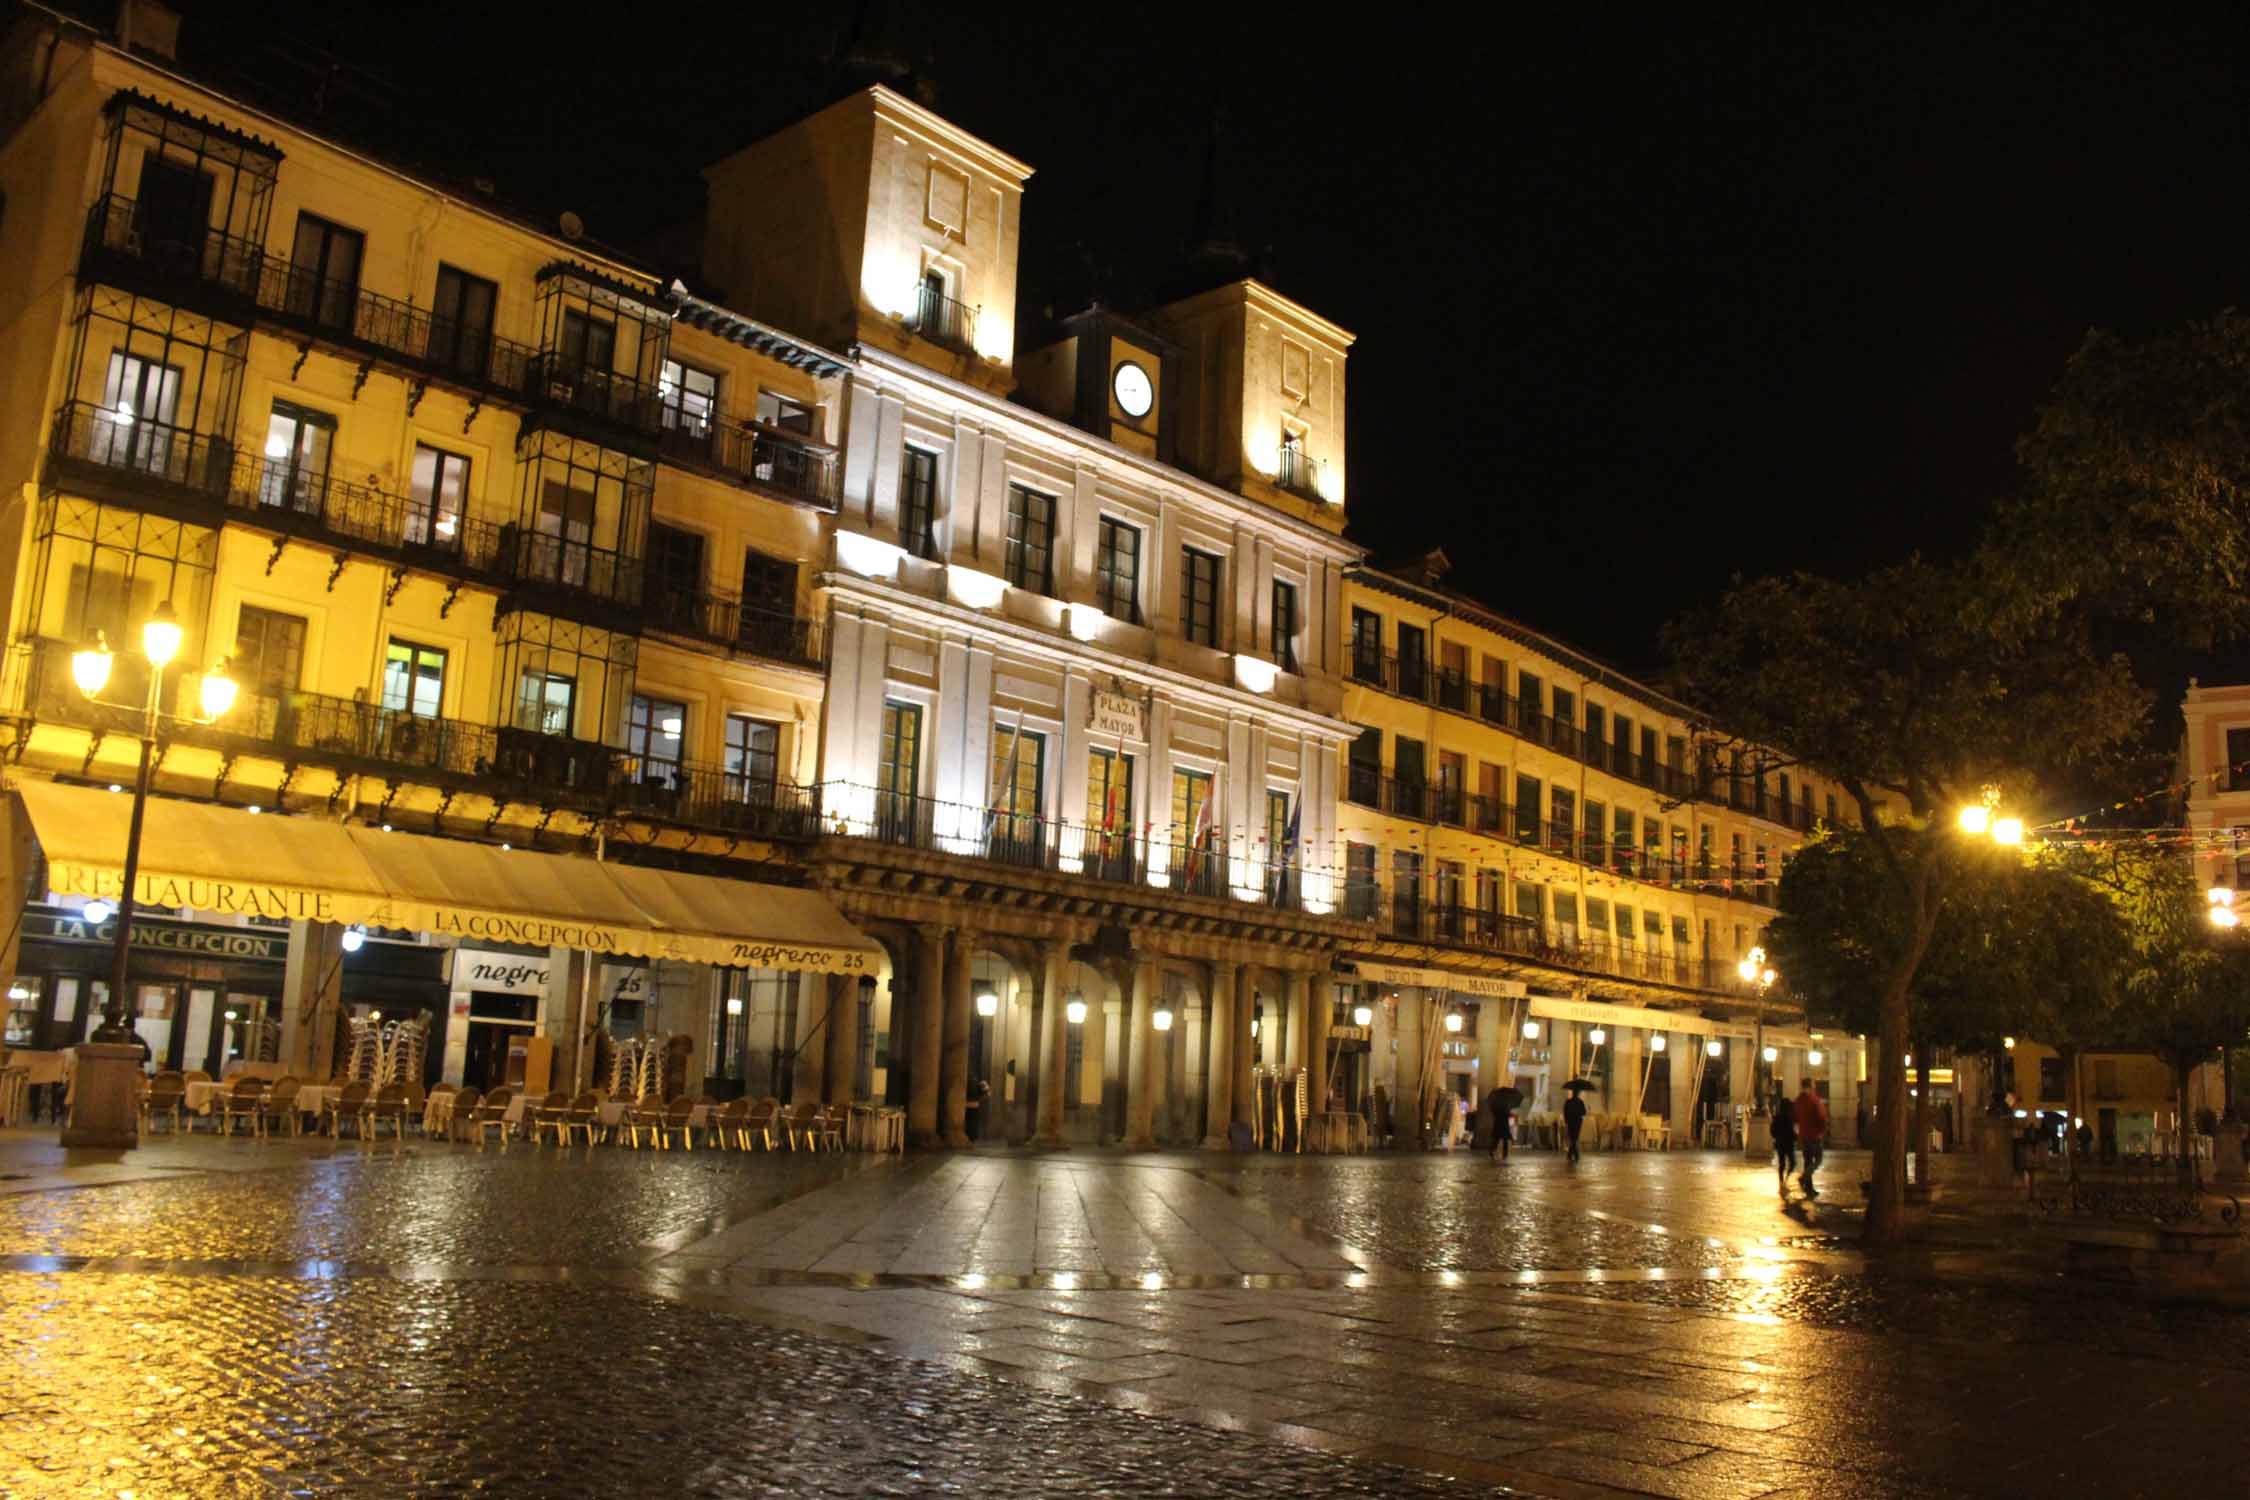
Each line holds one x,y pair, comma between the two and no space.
1574,1113
1503,1103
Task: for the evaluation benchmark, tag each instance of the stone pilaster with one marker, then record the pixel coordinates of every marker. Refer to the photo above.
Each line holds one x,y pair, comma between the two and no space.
928,1033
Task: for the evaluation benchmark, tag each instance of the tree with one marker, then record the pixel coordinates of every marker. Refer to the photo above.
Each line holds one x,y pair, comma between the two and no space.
1910,689
2019,947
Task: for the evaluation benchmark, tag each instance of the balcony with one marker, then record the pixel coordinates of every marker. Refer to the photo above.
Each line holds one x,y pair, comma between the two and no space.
723,619
119,458
363,323
751,453
1111,855
1300,473
1369,787
1408,677
567,577
620,404
198,268
399,529
944,321
712,797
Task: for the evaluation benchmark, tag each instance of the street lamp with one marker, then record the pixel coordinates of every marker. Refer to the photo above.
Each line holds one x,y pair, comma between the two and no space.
1162,1020
1531,1031
1453,1021
988,1002
1713,1048
1074,1009
90,669
1597,1036
1363,1015
1658,1042
1754,970
1983,817
2222,910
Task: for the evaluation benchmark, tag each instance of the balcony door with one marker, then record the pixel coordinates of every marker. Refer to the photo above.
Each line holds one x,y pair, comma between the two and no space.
324,273
675,577
293,474
753,764
546,702
588,345
269,661
413,697
440,497
172,214
1109,812
1019,765
461,321
562,549
140,405
656,738
898,773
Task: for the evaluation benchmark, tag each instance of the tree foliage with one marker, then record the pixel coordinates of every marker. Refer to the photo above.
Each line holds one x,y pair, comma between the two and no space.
2183,987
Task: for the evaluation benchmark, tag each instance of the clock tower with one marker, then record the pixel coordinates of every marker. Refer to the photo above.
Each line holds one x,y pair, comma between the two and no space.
1109,376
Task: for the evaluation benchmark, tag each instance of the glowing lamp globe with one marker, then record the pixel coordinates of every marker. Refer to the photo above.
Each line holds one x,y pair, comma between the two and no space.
1713,1049
2007,831
1658,1042
218,694
1363,1015
1531,1031
988,1003
1816,1057
1976,819
1453,1020
160,637
1597,1036
1162,1020
89,667
1074,1010
1772,1054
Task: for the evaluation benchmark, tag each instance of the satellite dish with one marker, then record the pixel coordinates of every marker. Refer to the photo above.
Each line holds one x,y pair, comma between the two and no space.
573,227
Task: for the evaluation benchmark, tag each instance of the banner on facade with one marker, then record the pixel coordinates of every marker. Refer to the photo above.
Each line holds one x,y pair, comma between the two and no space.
1487,985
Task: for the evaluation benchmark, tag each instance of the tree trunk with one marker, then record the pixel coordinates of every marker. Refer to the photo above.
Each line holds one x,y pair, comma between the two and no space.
1886,1200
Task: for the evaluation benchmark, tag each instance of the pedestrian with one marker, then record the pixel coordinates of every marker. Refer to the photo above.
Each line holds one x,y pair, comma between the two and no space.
1861,1138
1574,1120
979,1095
1784,1140
1812,1132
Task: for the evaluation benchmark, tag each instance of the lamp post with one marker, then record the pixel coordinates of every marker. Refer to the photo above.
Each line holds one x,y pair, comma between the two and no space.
104,1114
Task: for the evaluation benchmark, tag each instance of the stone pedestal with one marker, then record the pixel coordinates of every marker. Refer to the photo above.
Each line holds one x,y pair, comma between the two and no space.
1757,1137
103,1113
1996,1150
2227,1163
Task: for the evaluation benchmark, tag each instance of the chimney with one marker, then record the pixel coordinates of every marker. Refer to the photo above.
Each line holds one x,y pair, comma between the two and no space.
149,26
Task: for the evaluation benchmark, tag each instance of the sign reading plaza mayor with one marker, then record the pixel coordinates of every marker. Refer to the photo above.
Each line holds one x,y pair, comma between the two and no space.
247,898
1119,715
1442,979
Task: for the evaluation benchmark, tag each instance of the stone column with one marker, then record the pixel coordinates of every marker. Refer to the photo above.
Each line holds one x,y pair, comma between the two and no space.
312,994
808,1069
1245,1046
953,1101
1492,1047
929,1017
1684,1047
842,1037
1406,1094
1053,1044
1218,1093
1320,1008
1141,1079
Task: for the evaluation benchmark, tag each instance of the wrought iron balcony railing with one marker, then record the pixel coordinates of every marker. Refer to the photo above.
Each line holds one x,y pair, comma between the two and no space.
752,453
724,619
560,569
203,268
278,494
945,320
116,454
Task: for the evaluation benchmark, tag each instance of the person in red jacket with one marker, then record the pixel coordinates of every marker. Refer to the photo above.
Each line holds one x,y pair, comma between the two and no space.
1812,1132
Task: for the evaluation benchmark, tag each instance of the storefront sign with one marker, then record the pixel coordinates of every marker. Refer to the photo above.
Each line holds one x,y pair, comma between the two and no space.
784,956
501,973
1119,715
627,982
165,936
1487,985
237,898
1597,1013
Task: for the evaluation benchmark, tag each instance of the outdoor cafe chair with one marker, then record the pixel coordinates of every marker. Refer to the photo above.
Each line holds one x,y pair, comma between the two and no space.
757,1121
192,1075
831,1127
416,1102
643,1114
464,1109
278,1103
677,1116
162,1101
579,1118
802,1125
388,1103
243,1099
728,1124
491,1114
551,1113
346,1103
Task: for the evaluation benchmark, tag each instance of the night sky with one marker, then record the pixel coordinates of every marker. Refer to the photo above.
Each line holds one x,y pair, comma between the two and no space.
1640,303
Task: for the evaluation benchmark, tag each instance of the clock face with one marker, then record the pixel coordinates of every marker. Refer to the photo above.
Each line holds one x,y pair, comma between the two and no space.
1135,395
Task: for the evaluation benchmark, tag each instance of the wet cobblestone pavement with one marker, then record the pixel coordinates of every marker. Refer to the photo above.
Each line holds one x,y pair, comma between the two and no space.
225,1319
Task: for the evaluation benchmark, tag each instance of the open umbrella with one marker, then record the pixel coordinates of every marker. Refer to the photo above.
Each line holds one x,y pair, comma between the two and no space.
1507,1097
1581,1085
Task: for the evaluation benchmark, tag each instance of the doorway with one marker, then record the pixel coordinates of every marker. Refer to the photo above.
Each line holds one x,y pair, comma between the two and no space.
493,1020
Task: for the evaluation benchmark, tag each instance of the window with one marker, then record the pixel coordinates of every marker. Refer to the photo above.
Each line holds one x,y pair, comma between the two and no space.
769,583
1530,903
2238,760
1413,661
1018,761
1566,709
1199,596
1680,939
1622,847
562,541
753,760
439,498
917,507
546,701
1452,787
324,272
898,772
1597,734
1734,855
1285,625
1652,927
1597,919
1280,855
655,734
1621,756
1364,767
461,321
1450,879
1648,754
1597,832
413,679
1191,806
1488,895
172,208
1367,645
269,651
1031,540
1703,840
1360,892
1406,892
588,344
786,413
1566,918
1528,811
1531,702
1453,676
1412,775
1296,470
1109,804
1562,830
140,401
2051,1079
1832,810
687,398
1117,571
674,571
294,474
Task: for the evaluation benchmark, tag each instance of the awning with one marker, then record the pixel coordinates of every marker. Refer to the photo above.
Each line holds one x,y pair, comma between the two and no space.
222,859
